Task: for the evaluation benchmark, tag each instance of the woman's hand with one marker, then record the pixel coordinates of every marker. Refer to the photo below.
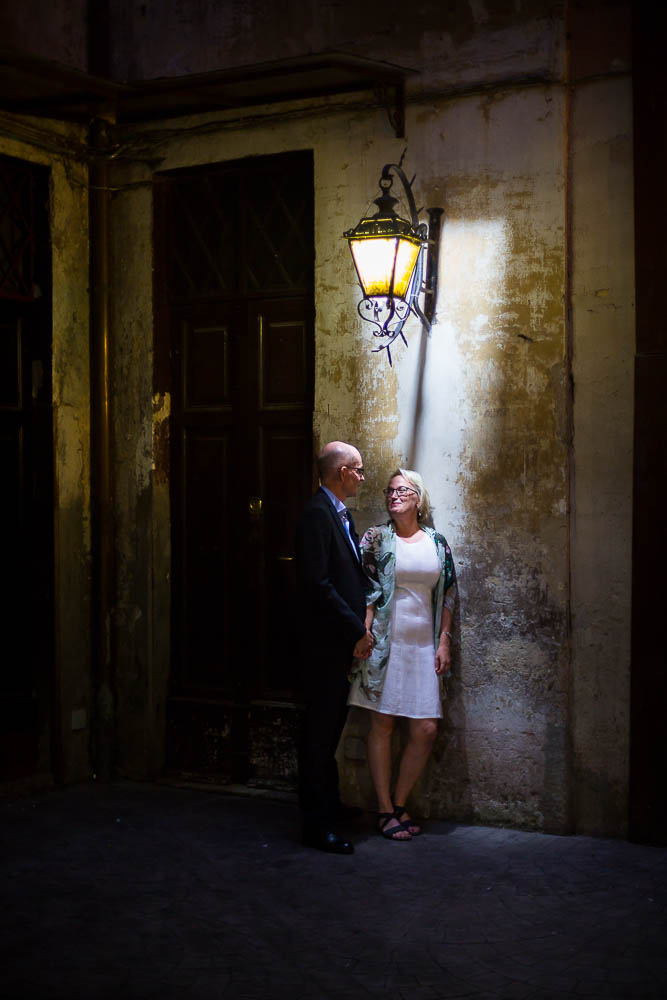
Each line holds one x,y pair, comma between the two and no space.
443,657
364,646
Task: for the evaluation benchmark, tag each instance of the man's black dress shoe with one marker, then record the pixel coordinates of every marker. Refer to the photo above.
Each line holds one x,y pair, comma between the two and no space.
327,840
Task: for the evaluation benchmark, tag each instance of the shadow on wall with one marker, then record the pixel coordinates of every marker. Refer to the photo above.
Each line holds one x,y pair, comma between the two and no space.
418,404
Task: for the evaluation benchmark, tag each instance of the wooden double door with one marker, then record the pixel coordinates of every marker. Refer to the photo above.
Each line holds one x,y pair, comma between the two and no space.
239,328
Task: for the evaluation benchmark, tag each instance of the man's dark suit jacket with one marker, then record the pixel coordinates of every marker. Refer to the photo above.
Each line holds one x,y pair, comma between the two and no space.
331,613
331,583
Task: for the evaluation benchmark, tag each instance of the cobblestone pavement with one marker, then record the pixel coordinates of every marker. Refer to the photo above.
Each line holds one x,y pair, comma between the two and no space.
148,891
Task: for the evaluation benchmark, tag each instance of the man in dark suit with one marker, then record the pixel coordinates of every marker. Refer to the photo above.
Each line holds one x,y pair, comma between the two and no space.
332,595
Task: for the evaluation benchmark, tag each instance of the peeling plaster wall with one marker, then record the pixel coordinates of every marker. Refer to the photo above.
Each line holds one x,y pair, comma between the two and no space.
482,408
139,706
71,424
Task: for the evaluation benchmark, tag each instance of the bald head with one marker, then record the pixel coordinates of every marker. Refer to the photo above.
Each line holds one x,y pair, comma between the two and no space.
340,468
333,456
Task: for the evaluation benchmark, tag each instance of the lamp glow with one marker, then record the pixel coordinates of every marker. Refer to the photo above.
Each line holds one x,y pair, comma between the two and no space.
385,265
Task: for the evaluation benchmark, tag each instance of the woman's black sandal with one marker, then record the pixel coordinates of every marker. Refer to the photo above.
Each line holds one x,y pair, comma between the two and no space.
413,828
383,819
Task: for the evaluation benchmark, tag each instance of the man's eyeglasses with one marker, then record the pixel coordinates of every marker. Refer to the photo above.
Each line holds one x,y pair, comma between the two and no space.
359,469
400,491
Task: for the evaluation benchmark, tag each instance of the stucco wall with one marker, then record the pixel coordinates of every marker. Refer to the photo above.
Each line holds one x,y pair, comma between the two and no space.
527,486
480,409
56,147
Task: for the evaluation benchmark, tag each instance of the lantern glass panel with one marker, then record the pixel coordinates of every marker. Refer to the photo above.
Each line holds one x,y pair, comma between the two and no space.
406,259
374,261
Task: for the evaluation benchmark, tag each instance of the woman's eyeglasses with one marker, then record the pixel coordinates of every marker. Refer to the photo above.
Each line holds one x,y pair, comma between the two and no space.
400,491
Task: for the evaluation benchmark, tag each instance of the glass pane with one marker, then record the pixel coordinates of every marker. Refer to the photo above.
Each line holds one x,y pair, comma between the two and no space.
280,230
16,230
205,214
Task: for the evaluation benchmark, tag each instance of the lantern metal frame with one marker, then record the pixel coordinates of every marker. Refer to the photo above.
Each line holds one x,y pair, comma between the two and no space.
388,312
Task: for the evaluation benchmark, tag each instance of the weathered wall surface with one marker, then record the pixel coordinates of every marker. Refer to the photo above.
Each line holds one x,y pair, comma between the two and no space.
480,408
603,356
71,423
517,410
448,43
139,705
483,407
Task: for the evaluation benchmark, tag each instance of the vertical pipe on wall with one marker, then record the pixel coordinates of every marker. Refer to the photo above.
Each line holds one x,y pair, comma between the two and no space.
568,209
103,729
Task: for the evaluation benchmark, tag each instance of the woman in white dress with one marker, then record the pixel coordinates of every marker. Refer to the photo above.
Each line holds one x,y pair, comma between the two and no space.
409,613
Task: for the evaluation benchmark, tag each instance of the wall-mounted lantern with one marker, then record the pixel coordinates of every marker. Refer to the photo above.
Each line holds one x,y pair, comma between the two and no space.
388,253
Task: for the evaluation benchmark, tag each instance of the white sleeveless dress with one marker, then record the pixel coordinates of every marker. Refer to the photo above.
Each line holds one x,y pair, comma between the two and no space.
411,686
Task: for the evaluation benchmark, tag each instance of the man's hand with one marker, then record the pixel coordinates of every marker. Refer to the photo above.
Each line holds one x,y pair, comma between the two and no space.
364,647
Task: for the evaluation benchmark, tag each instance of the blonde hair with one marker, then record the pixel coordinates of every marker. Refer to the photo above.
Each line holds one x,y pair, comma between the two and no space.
417,483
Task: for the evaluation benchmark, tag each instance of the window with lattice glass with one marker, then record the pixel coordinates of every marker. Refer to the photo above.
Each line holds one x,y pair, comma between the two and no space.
17,230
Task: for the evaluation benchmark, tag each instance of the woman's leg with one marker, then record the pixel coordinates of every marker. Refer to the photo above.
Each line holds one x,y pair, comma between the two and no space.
379,764
421,736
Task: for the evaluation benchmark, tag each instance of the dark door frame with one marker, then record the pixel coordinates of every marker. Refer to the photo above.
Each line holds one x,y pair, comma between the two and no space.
166,307
648,746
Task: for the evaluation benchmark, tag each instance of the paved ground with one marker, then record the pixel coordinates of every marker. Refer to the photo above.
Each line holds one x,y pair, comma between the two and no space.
146,891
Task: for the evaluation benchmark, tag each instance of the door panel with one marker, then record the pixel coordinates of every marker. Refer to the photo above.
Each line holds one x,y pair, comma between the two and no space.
10,365
202,515
284,445
206,608
15,683
281,449
283,362
206,367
